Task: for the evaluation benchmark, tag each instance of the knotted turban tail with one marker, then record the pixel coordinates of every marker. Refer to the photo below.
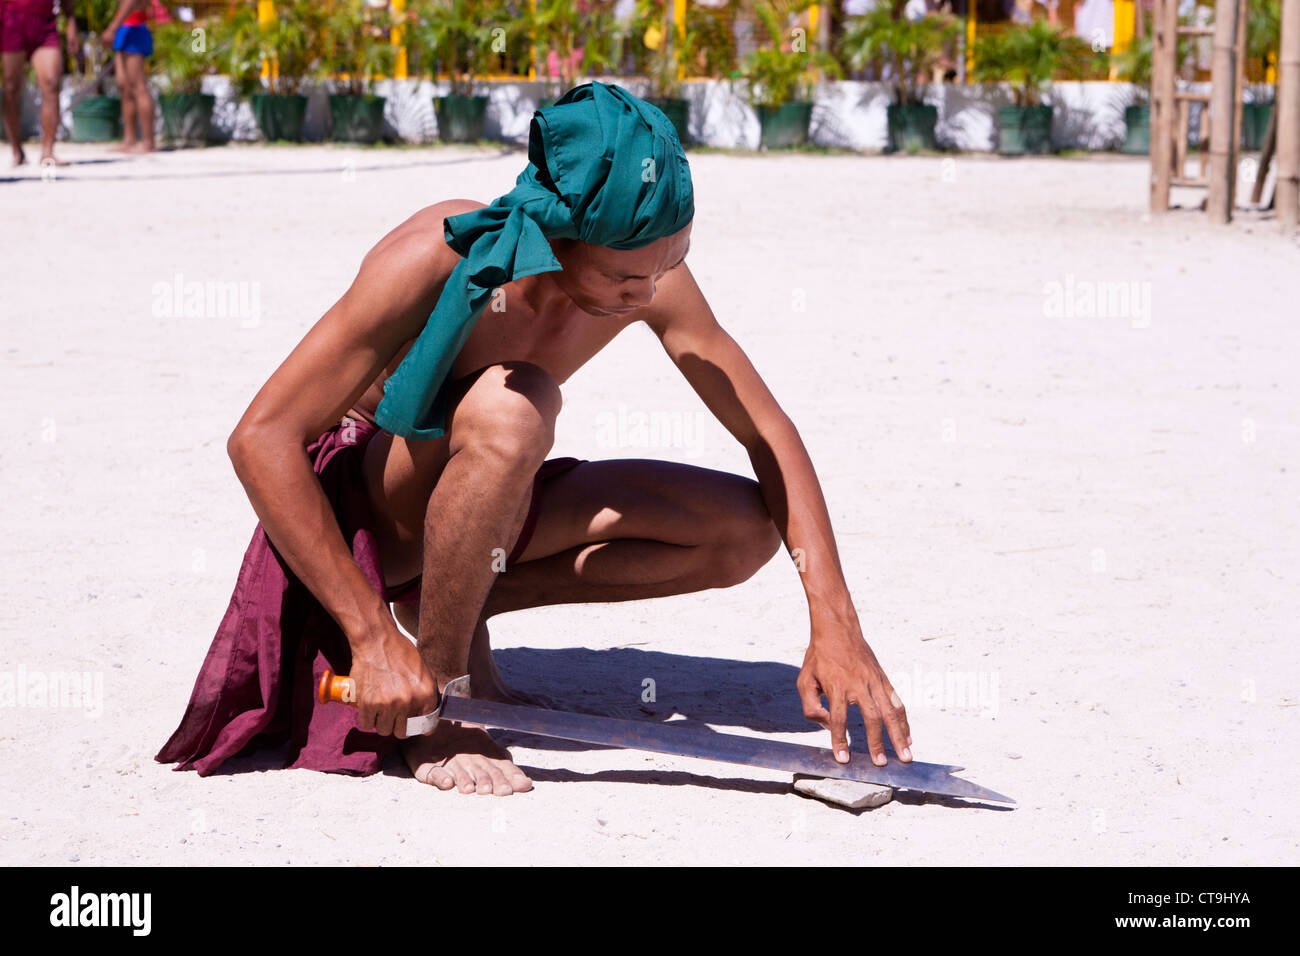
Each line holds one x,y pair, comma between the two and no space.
604,167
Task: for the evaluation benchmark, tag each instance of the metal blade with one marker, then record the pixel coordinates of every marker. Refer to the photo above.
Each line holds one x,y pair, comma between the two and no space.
708,744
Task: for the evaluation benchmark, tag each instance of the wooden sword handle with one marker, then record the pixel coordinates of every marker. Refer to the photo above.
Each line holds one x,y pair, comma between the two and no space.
337,690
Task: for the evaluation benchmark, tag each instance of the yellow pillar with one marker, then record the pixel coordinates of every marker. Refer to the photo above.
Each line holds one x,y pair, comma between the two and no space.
970,38
1125,26
679,22
398,38
265,16
532,42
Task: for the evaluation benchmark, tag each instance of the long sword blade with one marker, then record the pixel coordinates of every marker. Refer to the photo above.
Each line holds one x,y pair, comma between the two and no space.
708,744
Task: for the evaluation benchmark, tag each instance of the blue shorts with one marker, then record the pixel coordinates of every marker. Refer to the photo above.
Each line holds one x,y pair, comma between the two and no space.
135,39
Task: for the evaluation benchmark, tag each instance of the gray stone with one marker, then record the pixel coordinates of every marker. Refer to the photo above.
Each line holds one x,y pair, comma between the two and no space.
844,793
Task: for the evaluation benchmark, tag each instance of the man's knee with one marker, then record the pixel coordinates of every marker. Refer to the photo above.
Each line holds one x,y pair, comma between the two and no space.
509,412
747,537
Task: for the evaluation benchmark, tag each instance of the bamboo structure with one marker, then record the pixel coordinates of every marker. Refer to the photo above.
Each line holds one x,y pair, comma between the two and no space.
1288,122
1164,61
1223,107
1224,93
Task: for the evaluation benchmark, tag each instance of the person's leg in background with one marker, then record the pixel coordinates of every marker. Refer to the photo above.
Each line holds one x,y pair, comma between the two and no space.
128,103
47,62
15,76
138,77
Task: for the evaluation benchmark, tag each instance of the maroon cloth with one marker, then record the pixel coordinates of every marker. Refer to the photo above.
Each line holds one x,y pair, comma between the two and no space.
27,26
257,686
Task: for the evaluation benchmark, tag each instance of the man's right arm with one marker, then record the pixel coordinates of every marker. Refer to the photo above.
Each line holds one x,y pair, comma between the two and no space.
386,306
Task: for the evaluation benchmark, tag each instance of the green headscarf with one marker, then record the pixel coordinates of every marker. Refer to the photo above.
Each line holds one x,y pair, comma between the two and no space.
604,167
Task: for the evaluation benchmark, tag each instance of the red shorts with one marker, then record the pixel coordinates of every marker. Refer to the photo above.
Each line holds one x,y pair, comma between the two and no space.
23,32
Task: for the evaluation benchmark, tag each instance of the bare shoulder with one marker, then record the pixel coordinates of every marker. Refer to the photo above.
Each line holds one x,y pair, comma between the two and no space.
420,238
679,305
404,272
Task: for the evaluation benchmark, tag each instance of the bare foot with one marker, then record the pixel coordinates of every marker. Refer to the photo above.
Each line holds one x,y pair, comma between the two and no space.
49,160
122,148
463,756
140,148
20,158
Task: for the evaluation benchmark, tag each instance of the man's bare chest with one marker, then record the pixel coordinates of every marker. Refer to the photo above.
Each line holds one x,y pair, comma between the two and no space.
560,341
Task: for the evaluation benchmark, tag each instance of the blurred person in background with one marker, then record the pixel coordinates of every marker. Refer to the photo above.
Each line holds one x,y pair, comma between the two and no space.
29,33
132,43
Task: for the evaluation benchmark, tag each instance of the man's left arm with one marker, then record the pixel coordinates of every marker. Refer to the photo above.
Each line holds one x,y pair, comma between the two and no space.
839,664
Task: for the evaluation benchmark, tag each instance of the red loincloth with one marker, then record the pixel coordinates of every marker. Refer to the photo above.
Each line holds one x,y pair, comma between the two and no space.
257,686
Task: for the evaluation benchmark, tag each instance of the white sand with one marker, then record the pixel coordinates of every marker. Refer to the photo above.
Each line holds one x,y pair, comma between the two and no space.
1092,522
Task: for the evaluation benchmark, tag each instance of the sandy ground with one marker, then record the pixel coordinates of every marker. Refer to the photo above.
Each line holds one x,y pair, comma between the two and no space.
1071,535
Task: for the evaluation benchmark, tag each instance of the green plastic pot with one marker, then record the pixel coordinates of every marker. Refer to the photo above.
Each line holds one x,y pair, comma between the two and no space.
187,117
1024,129
357,119
784,125
678,112
1254,124
461,119
97,119
280,117
1137,130
911,126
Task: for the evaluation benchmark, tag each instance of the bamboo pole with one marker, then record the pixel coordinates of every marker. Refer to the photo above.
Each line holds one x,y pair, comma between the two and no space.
1287,106
1239,100
1223,98
1164,47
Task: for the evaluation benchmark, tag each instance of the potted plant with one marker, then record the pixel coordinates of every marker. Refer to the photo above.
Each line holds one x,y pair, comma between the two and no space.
1263,34
96,118
355,50
779,76
912,48
288,43
465,37
1134,66
183,54
560,23
1027,56
238,45
665,60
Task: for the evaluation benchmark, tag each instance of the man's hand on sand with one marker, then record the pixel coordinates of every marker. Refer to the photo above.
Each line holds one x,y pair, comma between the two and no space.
842,667
392,685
